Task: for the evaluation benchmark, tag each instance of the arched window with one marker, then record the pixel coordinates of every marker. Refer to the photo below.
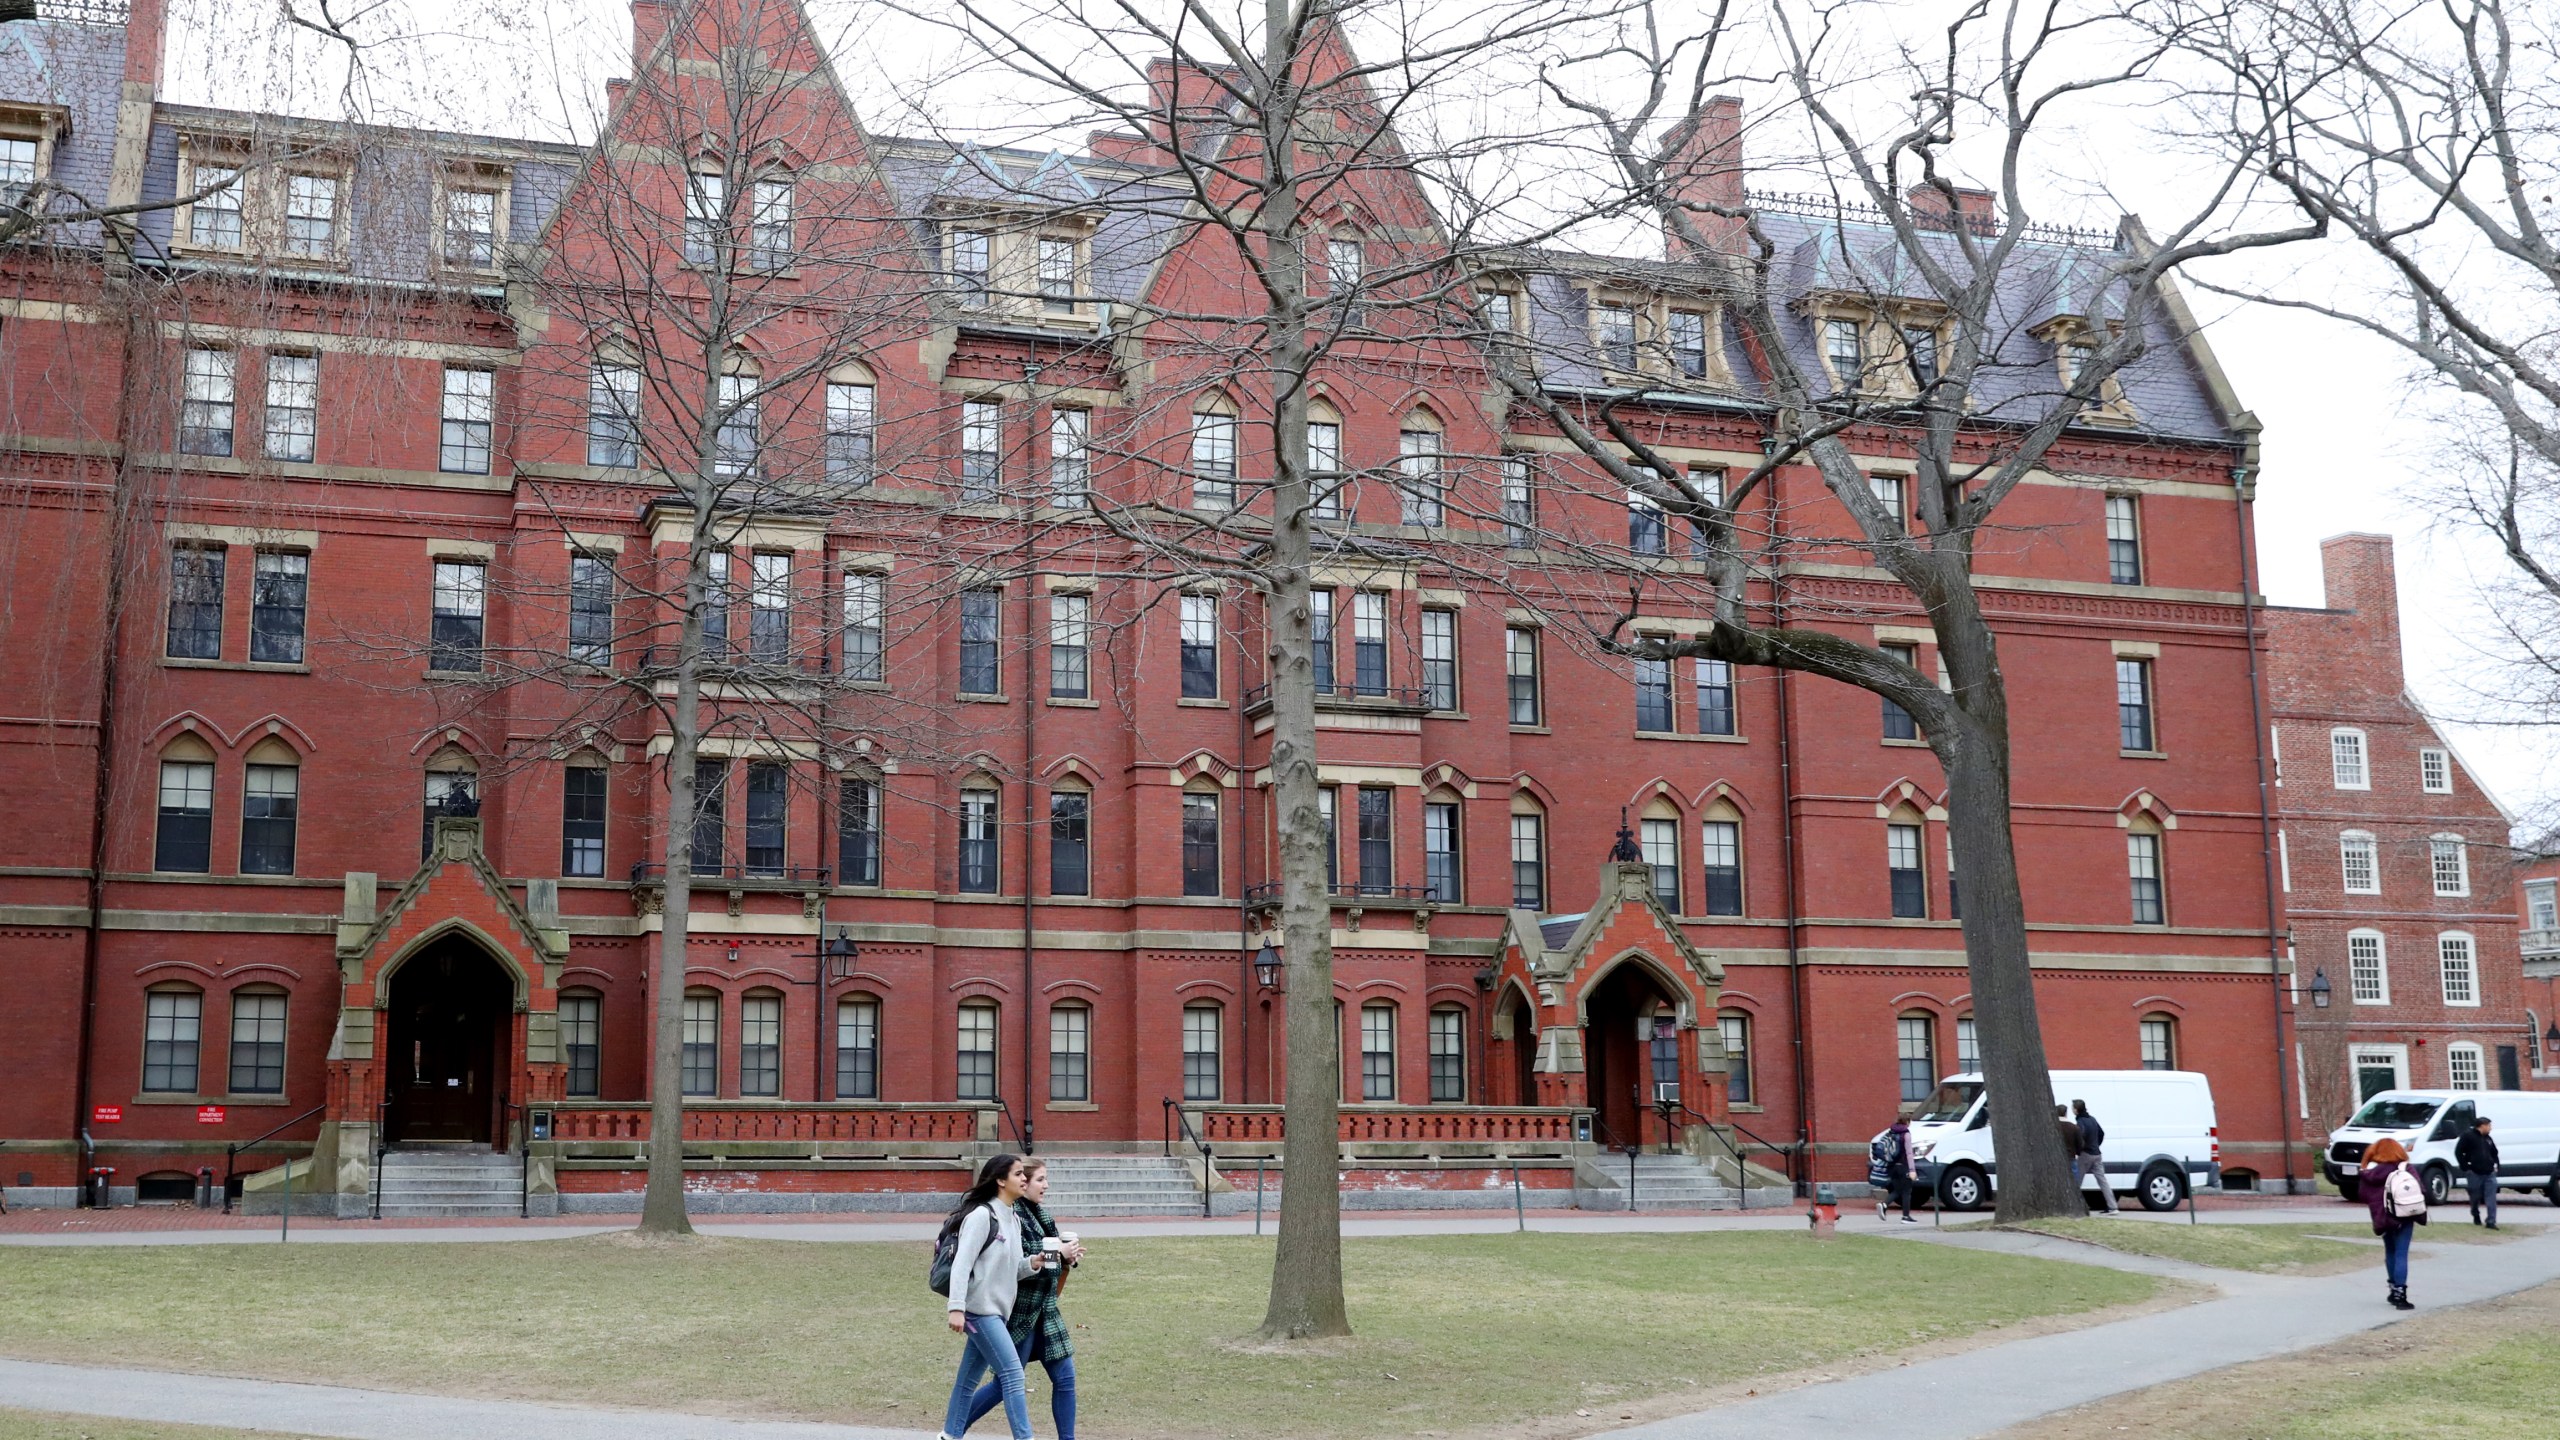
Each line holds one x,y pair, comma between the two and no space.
977,1068
1734,1028
1203,1032
270,795
2147,862
172,1037
1968,1046
1071,1052
852,415
701,1037
2159,1042
257,1040
739,415
978,846
452,777
1327,486
183,841
1418,478
858,1047
760,1043
1071,839
1443,826
1528,854
1658,837
1720,846
1915,1042
1201,869
1448,1054
582,1041
770,241
1378,1051
1213,453
1906,866
613,408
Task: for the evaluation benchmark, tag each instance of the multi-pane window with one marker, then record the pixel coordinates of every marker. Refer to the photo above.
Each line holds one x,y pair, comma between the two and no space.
1343,264
1646,532
1845,348
735,443
710,816
2435,772
459,606
582,1043
1056,259
1199,647
195,601
2462,1068
770,241
613,416
1653,695
1440,873
1688,337
1715,697
863,655
1921,345
1520,673
1968,1047
2359,863
2124,540
213,221
1320,638
469,414
1327,802
1888,490
2142,854
183,841
2541,905
700,1037
2455,960
2159,1043
2346,760
978,854
1915,1046
1904,871
1377,1052
981,451
2449,862
1070,457
706,224
1440,659
293,405
172,1034
1070,646
1071,1053
760,1045
852,418
768,816
1213,461
1501,313
857,1049
1448,1055
1528,863
2368,977
980,630
977,1068
858,832
310,216
1720,842
1377,839
1368,642
591,609
269,796
1659,842
471,229
1519,501
257,1042
769,606
1070,842
1898,724
1613,329
582,821
2134,726
971,251
1418,478
1735,1031
1324,469
206,400
715,604
1202,1070
1200,868
445,786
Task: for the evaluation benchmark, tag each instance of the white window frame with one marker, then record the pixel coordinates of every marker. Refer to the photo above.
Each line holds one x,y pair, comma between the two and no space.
2395,1056
2458,960
2542,904
2355,845
2449,865
2379,992
2454,1056
2350,759
2435,770
1070,458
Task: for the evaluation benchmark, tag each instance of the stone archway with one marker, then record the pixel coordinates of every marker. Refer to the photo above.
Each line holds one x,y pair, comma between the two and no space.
1618,1013
447,1028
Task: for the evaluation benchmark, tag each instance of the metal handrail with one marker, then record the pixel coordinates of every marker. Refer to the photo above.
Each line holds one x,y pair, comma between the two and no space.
1176,1119
381,1147
232,1152
1018,1132
1716,1128
523,1131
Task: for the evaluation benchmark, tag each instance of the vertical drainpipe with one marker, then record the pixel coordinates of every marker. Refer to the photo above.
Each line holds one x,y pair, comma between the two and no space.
1030,785
1244,905
1789,861
2246,493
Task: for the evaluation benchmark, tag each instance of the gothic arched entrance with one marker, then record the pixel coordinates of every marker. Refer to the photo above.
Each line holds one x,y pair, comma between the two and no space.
447,1016
1618,1024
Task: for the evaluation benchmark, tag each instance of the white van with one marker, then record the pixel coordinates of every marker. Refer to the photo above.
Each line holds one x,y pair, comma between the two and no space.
2161,1136
2430,1122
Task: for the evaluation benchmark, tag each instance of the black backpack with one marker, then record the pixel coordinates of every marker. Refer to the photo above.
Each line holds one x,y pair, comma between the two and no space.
946,1249
1883,1154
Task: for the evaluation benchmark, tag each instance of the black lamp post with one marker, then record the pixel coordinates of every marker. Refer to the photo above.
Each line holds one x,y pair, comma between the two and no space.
2319,988
832,963
1266,967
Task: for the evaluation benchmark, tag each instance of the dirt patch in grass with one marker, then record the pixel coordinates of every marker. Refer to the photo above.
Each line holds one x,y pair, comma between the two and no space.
42,1425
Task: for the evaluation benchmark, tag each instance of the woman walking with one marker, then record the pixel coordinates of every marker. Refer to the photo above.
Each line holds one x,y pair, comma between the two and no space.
988,1265
1038,1331
2398,1200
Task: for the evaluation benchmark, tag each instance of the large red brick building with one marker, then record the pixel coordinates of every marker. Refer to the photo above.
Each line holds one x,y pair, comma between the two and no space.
295,477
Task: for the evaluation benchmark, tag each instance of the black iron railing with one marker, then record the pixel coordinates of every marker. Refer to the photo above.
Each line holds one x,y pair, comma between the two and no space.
231,1153
1019,1133
381,1147
1716,1129
1175,1120
786,875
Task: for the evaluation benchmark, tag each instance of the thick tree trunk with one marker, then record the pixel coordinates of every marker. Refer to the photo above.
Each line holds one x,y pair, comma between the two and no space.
662,1206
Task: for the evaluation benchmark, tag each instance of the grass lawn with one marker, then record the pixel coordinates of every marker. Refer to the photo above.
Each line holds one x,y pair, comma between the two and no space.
2262,1248
39,1425
1454,1332
2488,1369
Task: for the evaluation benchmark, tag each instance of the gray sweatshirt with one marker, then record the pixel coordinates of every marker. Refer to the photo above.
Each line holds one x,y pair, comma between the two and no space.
989,1263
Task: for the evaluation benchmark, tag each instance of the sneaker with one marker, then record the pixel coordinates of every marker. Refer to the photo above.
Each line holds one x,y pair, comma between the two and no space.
1910,1219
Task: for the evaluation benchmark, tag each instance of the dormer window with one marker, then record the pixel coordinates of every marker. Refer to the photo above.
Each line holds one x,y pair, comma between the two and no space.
1057,274
1921,347
26,152
471,229
972,254
1844,348
310,216
1614,329
213,221
1688,337
2075,351
1500,315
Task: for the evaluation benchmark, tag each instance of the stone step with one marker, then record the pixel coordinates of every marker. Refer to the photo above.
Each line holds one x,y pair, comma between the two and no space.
449,1212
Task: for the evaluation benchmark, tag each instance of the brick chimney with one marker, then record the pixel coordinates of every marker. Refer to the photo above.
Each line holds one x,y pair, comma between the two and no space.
2357,575
1702,165
1123,145
146,39
1977,210
649,22
1183,97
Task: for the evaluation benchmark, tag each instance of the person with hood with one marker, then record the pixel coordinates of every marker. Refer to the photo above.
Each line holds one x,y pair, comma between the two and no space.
1891,1164
2396,1220
2091,1154
2477,1154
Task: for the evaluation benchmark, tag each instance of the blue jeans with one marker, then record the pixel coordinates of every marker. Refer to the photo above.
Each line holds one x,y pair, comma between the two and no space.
2395,1255
1062,1392
990,1348
2484,1193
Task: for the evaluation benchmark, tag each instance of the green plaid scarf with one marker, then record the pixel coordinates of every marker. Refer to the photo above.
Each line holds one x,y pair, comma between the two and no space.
1035,1300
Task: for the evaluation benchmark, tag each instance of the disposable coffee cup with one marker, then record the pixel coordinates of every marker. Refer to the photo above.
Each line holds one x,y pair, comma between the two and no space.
1066,1237
1049,1245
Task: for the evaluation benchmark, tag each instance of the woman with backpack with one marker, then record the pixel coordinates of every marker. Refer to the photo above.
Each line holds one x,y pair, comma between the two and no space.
2393,1192
981,1243
1039,1332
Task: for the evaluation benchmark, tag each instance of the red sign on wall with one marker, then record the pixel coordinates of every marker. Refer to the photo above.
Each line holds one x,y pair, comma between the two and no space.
106,1115
210,1115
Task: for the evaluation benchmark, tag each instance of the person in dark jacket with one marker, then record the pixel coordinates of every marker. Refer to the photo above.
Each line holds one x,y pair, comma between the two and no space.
1901,1167
2373,1182
2477,1154
2093,1138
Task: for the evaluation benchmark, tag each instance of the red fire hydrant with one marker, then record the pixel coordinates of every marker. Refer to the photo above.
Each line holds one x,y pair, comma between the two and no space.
1825,1214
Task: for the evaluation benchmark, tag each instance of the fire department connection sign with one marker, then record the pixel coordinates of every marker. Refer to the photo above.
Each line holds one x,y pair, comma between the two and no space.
210,1115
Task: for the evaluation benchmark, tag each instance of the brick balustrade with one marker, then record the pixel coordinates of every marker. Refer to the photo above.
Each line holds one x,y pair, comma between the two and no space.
731,1121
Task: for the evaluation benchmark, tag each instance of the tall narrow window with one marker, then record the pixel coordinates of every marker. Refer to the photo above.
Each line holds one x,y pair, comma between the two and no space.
1440,659
1200,867
1320,637
2346,760
977,1068
613,415
1519,501
981,451
1520,673
1199,647
1324,469
460,605
738,440
2124,540
760,1045
1921,345
1845,350
2449,862
1368,642
710,816
1202,1069
1646,533
2461,973
1968,1047
2142,853
2359,863
1328,802
1688,339
2541,906
1440,873
1715,697
852,420
857,1049
172,1036
269,801
863,657
970,254
2435,772
706,217
206,402
1071,1053
582,1042
293,405
979,632
1377,840
1653,695
1528,863
1418,478
582,821
2134,725
1890,492
771,243
310,216
1903,870
715,605
1614,331
700,1038
1070,465
1720,842
1658,840
183,842
591,609
769,606
1916,1056
978,854
1898,724
1448,1055
195,601
1057,265
1070,646
1343,268
1735,1028
1213,461
1070,842
858,832
2159,1043
1377,1052
213,221
768,817
2369,977
470,414
471,229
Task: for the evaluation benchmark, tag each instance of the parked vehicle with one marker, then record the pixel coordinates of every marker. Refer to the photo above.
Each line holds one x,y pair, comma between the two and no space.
2162,1139
2431,1122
